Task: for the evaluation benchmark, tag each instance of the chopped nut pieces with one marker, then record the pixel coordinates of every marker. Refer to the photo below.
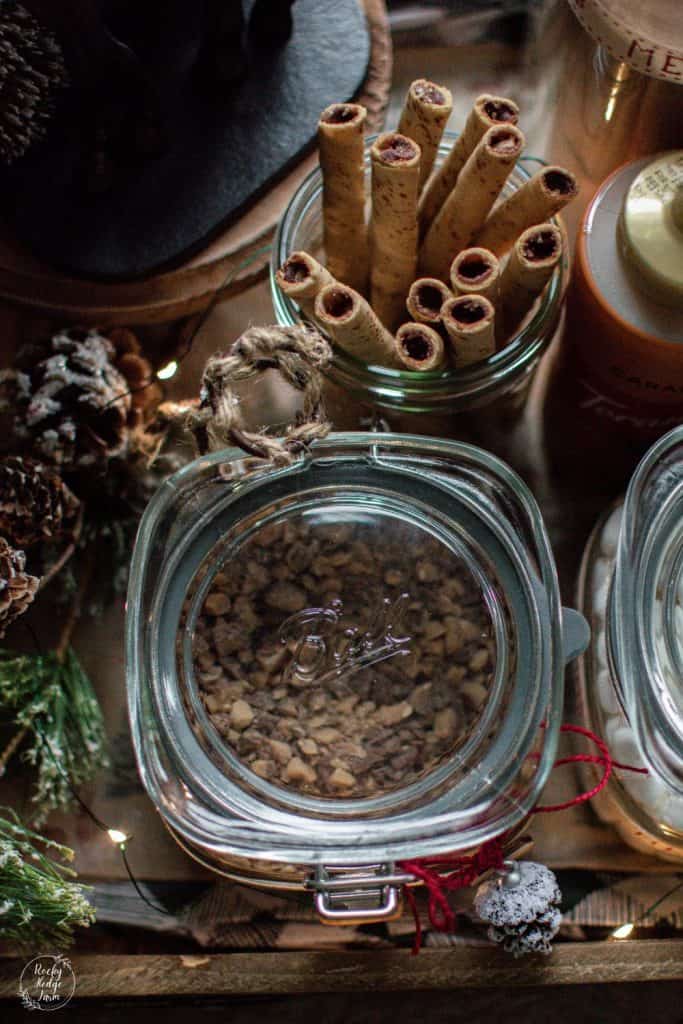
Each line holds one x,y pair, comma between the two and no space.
334,663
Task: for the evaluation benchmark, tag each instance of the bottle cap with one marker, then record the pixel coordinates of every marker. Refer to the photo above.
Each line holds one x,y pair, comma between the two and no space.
651,228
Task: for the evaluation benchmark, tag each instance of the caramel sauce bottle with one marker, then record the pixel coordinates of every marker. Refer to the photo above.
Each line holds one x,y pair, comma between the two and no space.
616,381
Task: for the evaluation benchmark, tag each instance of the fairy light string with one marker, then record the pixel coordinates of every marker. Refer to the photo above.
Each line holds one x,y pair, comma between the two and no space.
118,837
624,931
169,369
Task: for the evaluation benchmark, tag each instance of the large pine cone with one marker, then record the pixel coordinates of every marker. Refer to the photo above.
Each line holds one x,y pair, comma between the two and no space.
72,405
35,503
31,72
17,588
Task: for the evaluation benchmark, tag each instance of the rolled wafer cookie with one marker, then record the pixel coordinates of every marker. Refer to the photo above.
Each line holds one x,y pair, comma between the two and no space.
538,199
419,347
476,190
487,112
300,278
470,323
425,299
341,147
532,261
353,325
393,231
476,271
427,109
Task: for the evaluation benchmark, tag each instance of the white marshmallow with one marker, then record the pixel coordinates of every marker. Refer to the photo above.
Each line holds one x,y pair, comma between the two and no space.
600,596
669,809
606,693
609,538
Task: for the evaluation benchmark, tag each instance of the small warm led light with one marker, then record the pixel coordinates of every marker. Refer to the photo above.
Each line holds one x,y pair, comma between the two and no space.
623,931
117,836
168,371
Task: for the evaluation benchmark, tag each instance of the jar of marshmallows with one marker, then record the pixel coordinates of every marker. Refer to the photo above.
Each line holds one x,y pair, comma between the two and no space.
631,679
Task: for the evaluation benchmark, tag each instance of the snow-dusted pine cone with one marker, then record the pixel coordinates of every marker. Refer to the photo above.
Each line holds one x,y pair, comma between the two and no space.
35,503
17,587
71,404
522,910
31,73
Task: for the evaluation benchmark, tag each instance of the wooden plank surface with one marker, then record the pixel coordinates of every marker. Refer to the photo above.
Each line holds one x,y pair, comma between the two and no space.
246,974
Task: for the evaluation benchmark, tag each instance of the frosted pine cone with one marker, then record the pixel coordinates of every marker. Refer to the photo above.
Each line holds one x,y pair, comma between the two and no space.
31,72
35,503
17,588
71,405
523,909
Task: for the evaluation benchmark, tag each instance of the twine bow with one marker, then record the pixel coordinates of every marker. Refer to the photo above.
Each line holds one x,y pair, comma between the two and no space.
298,354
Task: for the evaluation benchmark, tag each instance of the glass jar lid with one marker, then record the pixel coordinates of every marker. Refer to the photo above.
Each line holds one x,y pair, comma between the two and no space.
357,657
646,608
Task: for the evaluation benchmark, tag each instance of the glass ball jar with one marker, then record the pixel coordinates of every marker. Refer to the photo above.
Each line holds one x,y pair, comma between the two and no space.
479,403
631,679
345,662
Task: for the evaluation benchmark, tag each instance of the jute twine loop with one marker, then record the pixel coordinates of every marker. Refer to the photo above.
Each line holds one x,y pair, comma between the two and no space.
298,354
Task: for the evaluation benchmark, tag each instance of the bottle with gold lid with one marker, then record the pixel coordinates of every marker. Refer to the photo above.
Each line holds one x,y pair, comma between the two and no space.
617,379
613,77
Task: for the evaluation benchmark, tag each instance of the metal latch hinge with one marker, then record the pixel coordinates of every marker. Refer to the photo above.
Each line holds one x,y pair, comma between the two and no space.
357,895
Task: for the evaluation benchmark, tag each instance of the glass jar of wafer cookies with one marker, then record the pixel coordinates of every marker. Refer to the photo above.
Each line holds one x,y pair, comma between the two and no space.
441,299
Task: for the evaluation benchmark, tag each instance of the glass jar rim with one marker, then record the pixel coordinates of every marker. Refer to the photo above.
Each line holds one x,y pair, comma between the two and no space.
644,641
410,833
407,387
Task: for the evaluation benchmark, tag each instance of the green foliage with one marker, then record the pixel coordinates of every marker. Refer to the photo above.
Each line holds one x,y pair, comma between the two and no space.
53,700
39,905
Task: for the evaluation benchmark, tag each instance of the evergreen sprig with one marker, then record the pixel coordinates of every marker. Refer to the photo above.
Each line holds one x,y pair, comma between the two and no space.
39,905
52,701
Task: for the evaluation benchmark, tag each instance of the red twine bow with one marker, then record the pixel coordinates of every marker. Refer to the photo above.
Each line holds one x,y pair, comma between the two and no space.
444,874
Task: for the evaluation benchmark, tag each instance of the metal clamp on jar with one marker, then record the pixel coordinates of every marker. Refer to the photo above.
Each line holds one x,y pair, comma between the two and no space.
345,663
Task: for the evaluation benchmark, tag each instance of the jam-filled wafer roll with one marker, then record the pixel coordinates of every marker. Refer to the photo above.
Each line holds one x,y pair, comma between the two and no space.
470,323
425,299
340,142
427,109
301,278
393,233
353,325
419,347
476,190
487,112
536,201
532,261
476,271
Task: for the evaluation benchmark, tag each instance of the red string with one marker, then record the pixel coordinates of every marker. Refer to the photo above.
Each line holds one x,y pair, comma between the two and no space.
604,758
443,874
